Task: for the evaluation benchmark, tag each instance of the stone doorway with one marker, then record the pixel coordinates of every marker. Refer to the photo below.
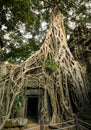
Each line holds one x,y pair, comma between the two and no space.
34,98
32,108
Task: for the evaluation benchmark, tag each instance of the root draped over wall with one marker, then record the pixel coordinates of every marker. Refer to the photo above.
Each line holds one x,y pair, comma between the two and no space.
52,68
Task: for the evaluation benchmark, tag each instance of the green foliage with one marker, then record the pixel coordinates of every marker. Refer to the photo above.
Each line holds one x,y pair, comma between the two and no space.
75,13
17,10
18,102
31,13
50,65
19,13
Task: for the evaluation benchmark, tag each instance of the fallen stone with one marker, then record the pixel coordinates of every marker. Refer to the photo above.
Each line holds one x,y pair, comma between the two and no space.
17,122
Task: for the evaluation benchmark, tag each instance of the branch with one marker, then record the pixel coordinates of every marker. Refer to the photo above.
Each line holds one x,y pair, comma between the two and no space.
48,2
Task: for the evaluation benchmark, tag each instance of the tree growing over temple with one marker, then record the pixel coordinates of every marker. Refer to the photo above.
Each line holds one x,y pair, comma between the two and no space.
55,71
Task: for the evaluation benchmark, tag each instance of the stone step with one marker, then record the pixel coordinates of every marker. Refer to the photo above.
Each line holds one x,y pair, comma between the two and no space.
17,122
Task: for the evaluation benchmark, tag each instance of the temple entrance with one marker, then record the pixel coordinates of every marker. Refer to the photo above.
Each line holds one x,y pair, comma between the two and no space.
34,98
32,108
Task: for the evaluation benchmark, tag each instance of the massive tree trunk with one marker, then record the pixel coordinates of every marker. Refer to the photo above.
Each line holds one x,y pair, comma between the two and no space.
52,68
80,46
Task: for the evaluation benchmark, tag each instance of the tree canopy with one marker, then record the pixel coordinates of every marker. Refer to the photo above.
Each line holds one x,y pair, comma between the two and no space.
23,24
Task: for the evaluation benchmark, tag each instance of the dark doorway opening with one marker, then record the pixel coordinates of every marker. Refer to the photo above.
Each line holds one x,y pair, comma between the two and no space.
50,112
32,109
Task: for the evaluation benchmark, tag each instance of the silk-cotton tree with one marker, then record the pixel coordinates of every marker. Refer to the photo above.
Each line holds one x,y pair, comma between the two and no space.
53,68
